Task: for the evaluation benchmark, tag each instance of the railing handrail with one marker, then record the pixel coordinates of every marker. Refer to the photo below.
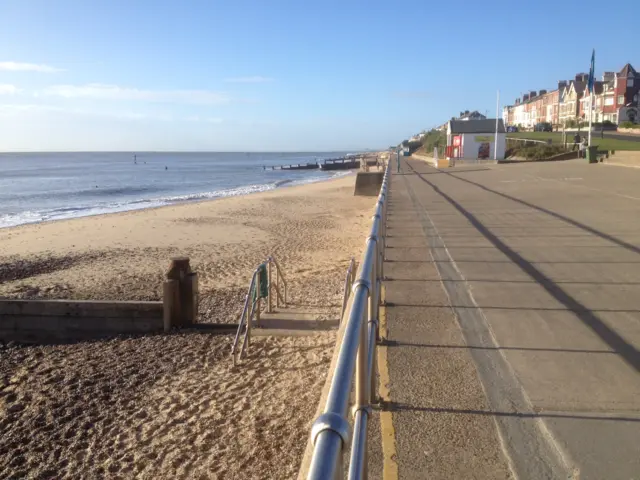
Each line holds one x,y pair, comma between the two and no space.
348,282
243,316
518,139
275,262
249,308
331,431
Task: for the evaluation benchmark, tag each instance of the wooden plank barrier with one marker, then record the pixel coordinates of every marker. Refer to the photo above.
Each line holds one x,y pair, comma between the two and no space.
53,321
42,321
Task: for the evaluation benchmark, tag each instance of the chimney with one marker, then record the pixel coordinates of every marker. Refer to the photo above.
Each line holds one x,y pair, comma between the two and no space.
562,84
581,77
542,92
607,76
532,93
466,112
525,97
461,114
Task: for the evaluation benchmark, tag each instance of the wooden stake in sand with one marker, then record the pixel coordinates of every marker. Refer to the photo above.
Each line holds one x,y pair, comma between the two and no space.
170,313
186,308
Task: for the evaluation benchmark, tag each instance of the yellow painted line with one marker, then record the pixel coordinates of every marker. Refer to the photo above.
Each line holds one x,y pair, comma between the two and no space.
389,459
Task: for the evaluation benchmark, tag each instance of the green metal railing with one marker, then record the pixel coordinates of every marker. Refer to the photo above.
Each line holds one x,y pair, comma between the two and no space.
261,287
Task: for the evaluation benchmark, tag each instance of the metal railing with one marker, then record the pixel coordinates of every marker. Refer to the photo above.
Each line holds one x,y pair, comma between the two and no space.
252,306
528,141
331,432
348,284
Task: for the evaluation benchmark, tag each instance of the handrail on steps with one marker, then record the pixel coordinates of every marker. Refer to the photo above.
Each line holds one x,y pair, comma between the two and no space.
252,300
348,283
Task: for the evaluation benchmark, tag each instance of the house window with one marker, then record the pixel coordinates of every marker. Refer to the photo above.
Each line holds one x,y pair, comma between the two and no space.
620,99
608,101
630,82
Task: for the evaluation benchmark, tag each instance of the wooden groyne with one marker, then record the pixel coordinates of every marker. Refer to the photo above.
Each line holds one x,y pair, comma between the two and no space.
347,162
60,321
343,163
299,166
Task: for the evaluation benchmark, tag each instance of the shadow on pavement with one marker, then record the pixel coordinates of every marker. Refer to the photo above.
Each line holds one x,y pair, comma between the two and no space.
393,343
568,220
627,351
393,406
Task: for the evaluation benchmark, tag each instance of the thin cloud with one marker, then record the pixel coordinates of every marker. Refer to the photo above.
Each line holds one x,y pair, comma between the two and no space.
411,94
114,92
200,119
254,79
8,89
28,67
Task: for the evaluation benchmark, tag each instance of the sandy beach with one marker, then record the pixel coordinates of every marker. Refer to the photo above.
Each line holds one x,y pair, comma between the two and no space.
171,406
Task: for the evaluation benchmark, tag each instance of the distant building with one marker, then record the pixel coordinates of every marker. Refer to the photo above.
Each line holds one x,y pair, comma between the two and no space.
475,115
475,140
615,100
571,95
626,91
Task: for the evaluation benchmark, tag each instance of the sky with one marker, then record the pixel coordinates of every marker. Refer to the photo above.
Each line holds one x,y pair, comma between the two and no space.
281,75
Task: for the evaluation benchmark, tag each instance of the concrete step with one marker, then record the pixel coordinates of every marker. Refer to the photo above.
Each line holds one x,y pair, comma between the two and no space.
292,322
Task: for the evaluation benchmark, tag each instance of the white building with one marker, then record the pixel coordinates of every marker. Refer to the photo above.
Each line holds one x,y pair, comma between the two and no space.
475,115
475,140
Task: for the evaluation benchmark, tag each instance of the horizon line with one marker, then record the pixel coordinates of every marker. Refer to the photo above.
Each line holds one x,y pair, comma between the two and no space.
191,151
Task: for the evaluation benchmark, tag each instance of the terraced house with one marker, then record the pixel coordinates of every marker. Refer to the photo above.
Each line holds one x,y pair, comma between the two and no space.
615,100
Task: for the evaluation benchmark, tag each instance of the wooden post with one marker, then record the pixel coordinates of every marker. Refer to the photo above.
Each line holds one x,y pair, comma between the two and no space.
180,270
191,289
169,304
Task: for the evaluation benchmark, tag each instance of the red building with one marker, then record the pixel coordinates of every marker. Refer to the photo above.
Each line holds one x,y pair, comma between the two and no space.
616,97
626,91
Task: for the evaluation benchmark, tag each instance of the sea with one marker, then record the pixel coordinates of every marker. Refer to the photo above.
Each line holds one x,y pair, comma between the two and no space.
39,187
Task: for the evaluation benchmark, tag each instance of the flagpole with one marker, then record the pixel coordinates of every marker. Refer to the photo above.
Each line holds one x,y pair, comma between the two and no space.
495,147
591,86
590,115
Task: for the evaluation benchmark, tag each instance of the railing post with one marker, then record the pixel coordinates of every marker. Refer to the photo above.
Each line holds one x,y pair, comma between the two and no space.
277,287
257,300
269,288
362,387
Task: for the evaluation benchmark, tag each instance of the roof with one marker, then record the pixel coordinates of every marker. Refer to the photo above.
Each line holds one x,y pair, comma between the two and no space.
598,87
578,87
627,71
477,126
475,113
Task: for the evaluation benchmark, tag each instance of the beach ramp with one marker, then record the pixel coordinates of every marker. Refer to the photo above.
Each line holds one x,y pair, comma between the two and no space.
368,183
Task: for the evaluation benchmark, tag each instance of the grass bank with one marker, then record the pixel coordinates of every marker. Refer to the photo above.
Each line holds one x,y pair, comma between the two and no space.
556,138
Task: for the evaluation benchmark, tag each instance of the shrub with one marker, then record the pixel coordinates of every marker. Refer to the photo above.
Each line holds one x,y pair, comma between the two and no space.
434,138
629,125
535,152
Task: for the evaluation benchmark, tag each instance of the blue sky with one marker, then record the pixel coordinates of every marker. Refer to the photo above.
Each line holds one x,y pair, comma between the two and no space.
280,75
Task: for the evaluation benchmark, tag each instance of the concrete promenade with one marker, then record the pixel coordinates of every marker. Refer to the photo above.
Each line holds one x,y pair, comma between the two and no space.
512,324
